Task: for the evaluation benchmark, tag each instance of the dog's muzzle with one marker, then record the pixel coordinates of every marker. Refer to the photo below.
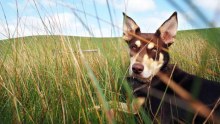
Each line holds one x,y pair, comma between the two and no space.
137,71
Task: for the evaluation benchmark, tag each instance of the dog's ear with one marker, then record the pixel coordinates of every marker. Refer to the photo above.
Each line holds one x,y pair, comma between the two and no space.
168,29
129,26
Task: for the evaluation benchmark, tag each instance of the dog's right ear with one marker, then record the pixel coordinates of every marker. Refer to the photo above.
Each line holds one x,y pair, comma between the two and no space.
129,26
168,29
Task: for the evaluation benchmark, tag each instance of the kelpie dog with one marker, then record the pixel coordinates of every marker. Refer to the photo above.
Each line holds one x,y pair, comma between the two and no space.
147,59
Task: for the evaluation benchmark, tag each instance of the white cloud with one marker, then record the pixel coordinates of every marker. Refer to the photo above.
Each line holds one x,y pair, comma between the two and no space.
138,5
30,3
208,4
131,5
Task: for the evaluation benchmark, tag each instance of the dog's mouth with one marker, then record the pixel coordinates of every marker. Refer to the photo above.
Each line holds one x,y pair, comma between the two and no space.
141,79
141,86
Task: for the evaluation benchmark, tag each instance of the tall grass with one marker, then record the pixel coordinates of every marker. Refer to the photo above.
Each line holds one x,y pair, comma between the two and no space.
50,79
46,79
197,52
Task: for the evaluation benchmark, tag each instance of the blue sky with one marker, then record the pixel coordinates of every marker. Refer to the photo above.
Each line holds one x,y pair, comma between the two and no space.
99,19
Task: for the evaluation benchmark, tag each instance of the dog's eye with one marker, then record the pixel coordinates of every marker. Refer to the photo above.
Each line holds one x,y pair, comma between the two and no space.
134,47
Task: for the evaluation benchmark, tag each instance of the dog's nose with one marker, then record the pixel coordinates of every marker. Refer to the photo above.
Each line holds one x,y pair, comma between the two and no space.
137,68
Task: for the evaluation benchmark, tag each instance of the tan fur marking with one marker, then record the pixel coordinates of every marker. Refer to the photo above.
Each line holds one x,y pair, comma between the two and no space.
150,45
138,43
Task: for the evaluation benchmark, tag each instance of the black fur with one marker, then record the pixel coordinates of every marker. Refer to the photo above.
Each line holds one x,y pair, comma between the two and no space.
208,92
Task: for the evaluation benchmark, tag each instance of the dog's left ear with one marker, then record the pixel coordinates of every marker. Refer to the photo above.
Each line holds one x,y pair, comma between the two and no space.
168,29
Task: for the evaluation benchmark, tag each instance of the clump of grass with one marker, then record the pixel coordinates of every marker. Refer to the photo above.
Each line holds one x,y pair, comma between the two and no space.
196,53
46,79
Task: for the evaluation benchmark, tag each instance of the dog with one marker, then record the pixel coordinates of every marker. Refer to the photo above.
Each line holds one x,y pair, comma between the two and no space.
147,59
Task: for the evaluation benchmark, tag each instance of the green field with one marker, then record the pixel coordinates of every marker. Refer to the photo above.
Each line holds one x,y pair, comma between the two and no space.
52,79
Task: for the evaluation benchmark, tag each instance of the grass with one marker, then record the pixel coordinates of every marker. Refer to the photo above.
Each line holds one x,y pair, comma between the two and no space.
50,79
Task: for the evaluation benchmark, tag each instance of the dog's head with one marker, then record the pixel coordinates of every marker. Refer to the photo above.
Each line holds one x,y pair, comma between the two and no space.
148,58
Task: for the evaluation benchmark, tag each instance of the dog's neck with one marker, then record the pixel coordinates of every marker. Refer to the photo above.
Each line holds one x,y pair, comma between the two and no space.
176,74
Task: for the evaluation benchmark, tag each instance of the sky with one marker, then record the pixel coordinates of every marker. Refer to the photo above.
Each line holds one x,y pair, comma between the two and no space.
100,18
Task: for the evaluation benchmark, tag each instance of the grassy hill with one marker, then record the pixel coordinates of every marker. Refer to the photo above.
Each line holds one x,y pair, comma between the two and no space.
52,79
